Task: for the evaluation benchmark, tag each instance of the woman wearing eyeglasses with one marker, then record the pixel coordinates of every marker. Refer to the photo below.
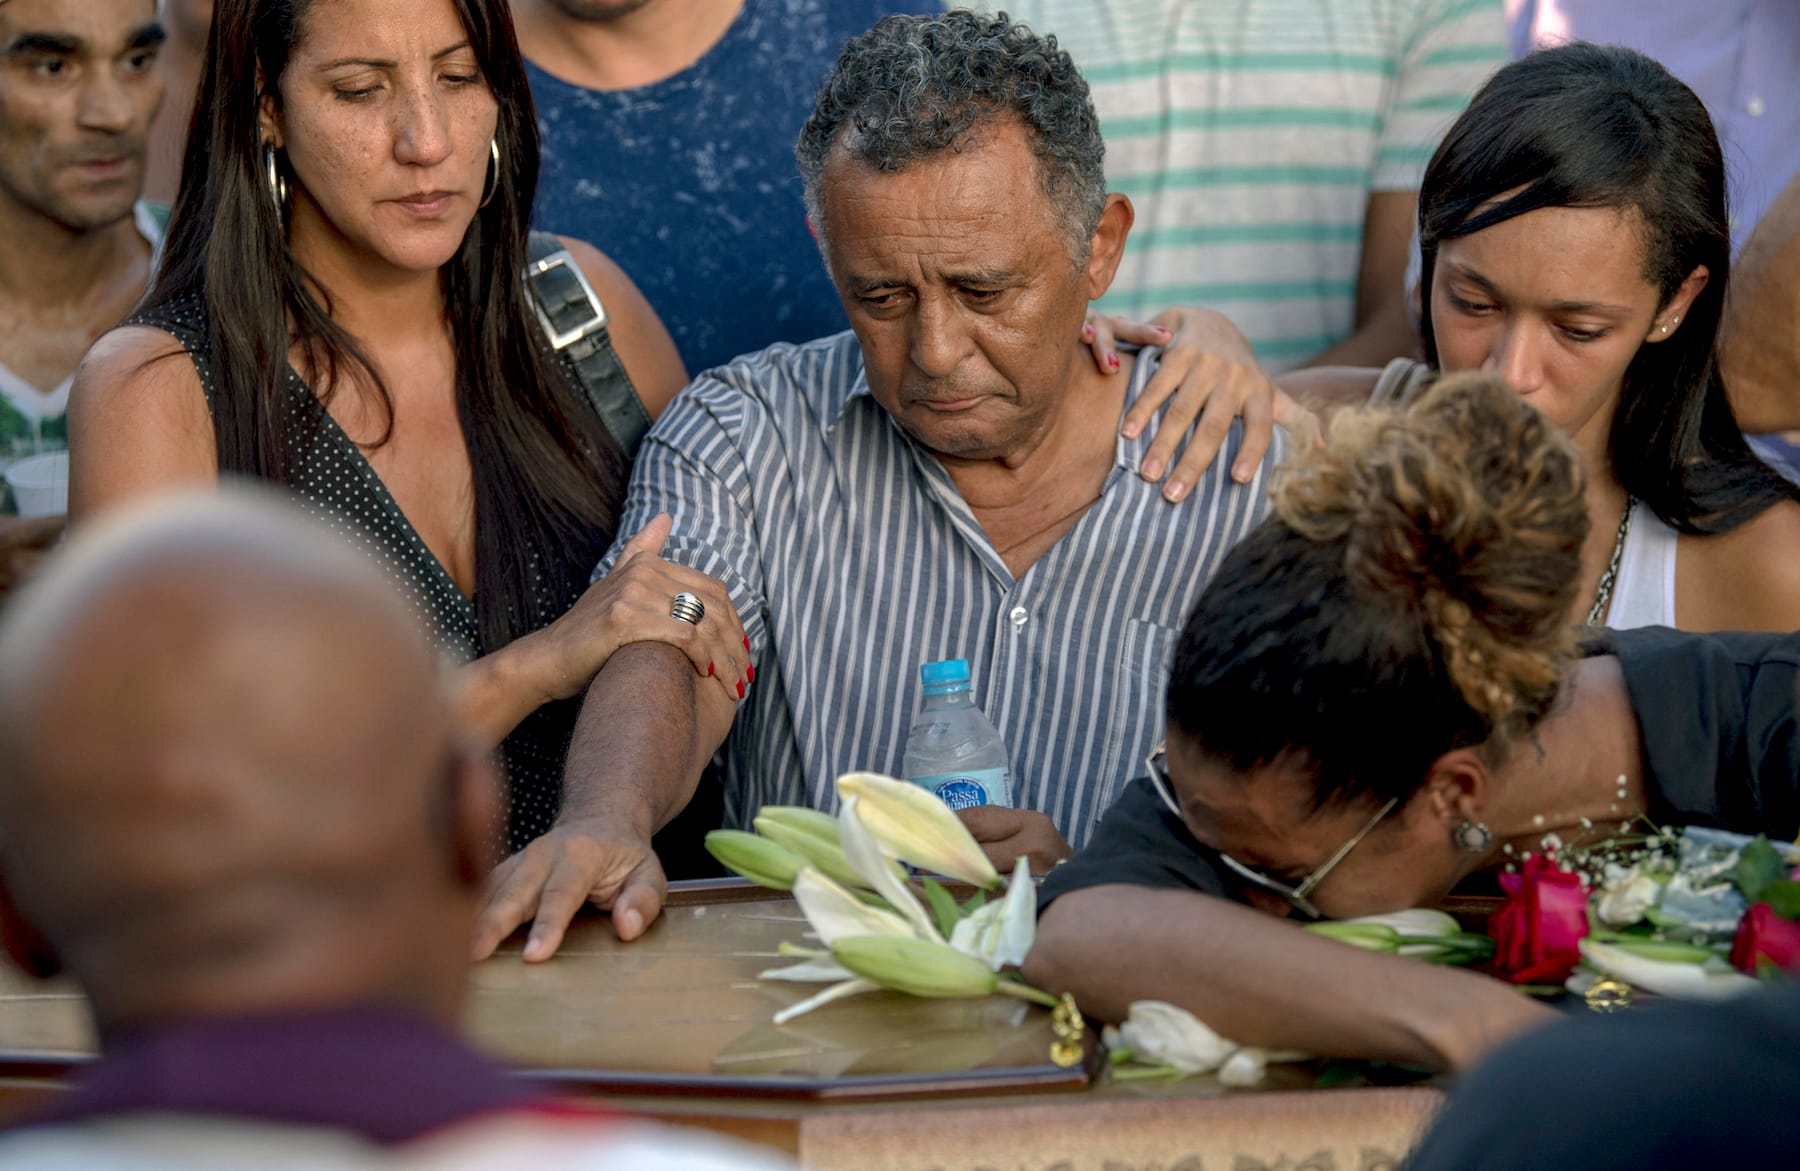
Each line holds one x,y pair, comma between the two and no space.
1379,695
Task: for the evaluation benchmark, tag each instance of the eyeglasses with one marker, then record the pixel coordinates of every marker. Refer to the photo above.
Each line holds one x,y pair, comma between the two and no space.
1295,895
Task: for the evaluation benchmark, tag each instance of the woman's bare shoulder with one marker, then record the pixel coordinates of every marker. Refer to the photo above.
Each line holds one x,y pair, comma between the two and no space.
135,362
638,333
1747,579
138,420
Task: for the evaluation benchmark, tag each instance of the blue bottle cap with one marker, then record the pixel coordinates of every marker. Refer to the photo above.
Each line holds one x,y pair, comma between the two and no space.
948,673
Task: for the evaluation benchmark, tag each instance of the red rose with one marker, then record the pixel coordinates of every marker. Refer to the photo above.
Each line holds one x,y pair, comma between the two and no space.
1762,934
1538,931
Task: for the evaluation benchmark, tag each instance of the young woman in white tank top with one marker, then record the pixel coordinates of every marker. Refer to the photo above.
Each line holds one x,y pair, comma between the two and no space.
1574,241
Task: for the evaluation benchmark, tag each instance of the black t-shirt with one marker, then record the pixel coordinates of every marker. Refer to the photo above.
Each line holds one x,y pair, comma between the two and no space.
1716,717
1671,1085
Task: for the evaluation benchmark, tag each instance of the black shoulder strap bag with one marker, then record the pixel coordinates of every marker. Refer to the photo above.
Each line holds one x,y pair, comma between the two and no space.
574,322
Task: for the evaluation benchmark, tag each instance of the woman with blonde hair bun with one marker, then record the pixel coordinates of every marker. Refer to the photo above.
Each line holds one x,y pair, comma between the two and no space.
1379,695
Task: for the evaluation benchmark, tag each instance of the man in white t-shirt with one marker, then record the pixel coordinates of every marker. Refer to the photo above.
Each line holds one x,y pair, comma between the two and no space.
79,86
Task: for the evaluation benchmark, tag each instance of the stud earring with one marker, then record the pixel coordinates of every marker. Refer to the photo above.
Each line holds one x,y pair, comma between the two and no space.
1472,837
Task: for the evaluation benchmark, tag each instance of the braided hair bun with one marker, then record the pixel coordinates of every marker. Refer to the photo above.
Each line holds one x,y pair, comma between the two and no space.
1466,508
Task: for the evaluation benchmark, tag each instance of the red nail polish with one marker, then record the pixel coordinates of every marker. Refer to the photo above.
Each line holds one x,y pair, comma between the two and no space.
750,672
1112,361
740,689
746,642
709,670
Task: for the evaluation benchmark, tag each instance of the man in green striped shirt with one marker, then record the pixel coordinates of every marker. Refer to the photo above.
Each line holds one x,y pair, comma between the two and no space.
1273,150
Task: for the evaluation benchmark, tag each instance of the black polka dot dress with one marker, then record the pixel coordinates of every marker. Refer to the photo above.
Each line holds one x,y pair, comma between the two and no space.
335,483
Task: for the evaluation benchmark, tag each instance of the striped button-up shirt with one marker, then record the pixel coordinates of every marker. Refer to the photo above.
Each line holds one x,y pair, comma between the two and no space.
852,559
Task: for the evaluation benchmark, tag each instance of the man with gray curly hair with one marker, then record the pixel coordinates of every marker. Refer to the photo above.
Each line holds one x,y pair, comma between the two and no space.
945,481
912,89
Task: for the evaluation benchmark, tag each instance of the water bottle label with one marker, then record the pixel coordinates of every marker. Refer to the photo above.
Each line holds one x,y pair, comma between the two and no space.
966,790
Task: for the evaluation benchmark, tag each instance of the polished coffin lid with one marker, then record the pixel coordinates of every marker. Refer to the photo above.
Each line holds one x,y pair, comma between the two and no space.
680,1011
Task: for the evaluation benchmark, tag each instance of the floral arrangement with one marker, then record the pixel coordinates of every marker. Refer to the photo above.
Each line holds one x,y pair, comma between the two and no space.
875,929
1691,913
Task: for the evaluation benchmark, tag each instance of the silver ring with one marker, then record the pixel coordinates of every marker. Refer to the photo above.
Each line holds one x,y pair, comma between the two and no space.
688,608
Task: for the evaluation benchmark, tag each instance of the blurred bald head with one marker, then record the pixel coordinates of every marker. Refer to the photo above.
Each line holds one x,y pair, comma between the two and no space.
230,780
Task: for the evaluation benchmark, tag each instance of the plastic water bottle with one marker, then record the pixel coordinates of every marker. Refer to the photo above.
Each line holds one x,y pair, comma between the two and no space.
952,750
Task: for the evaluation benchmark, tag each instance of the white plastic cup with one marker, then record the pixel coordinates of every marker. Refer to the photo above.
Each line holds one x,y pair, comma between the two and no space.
40,484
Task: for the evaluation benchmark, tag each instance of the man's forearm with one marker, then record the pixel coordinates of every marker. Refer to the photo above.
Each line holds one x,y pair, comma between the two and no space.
647,728
1759,339
1261,981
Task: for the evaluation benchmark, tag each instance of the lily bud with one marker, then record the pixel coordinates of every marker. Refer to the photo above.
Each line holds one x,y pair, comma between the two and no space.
763,862
1671,973
1420,932
813,836
915,966
916,827
1368,936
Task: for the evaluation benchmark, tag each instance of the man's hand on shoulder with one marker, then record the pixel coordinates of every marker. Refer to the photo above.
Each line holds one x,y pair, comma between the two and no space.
547,882
1006,835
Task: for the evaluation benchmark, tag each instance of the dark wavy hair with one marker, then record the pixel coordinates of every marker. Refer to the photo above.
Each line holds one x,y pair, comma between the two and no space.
1590,126
548,479
1408,595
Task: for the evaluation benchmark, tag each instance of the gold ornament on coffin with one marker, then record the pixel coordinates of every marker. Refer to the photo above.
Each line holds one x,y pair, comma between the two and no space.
1065,1021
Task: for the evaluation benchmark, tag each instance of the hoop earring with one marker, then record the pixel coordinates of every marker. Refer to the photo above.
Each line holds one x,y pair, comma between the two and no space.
1472,837
493,184
278,188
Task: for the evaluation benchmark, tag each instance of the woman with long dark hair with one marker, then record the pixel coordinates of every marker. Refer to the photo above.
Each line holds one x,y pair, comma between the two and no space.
1584,186
342,309
1575,241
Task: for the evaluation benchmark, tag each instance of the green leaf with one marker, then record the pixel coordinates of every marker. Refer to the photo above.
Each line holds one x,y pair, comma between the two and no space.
943,907
1339,1072
1769,972
1759,865
1462,948
1783,898
976,901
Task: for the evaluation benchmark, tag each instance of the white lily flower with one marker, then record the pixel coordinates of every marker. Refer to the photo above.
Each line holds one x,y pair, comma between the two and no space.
1156,1031
1244,1068
1678,981
852,987
1625,902
1001,933
868,859
834,913
811,971
915,826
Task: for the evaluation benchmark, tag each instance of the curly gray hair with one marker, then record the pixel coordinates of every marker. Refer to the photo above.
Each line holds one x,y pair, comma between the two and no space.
914,86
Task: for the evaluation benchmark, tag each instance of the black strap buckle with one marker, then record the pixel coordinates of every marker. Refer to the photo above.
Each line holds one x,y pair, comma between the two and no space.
567,305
